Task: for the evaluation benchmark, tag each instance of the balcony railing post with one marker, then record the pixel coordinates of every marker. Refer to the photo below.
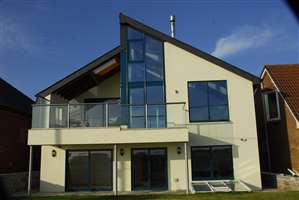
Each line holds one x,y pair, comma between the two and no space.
106,114
146,125
68,115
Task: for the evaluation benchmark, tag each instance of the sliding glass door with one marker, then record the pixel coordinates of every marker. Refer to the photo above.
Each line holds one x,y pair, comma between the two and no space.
89,170
149,169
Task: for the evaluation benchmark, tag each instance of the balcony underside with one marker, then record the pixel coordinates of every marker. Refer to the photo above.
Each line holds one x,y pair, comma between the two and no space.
73,136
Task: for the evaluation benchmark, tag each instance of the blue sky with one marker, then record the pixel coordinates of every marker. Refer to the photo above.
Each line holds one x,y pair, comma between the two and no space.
43,41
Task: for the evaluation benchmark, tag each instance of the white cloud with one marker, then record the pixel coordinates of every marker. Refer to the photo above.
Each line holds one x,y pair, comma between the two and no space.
241,39
14,36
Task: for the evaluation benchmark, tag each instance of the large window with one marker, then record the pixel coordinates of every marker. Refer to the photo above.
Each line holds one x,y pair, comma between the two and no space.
212,162
145,80
89,170
208,101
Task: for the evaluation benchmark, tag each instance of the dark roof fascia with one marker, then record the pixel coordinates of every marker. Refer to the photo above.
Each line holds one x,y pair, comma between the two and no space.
164,37
73,76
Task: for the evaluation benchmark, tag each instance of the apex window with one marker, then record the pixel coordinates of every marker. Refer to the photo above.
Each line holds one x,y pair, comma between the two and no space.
208,101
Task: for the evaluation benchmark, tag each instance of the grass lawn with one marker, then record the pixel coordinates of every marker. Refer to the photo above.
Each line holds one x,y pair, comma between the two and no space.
202,196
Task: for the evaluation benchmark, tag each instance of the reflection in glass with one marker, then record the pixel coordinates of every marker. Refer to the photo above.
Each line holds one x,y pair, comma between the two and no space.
208,101
137,119
156,116
155,93
133,34
135,51
78,178
101,170
136,72
136,95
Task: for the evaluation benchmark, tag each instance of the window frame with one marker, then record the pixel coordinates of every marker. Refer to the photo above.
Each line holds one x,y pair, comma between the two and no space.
266,103
209,120
211,167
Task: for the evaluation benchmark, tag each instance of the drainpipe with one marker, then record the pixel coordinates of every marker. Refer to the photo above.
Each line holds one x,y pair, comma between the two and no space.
29,171
187,167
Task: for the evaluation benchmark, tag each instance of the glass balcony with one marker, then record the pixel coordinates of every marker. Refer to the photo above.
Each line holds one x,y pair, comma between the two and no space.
92,115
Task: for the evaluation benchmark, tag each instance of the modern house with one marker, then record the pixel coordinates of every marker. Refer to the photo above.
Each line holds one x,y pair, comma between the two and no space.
153,114
278,118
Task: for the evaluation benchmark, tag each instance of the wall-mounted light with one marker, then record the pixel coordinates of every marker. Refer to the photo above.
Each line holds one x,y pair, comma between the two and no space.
244,139
179,150
122,152
54,153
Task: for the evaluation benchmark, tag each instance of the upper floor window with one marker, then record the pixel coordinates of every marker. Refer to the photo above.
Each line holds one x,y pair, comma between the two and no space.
208,101
272,106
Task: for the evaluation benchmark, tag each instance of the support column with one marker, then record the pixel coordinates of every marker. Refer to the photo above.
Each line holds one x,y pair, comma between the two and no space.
29,171
187,167
115,169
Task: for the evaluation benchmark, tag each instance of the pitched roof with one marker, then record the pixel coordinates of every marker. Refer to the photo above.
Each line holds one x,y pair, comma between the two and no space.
150,31
12,99
286,78
85,69
164,37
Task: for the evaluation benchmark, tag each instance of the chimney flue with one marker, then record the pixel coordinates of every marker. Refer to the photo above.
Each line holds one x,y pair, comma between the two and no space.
172,25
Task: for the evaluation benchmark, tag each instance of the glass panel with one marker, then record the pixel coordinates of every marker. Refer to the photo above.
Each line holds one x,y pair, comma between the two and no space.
155,93
95,115
101,170
218,113
198,94
199,114
58,116
133,34
77,116
158,169
222,162
135,51
137,119
140,166
201,163
136,95
217,93
136,72
117,113
273,112
156,116
78,178
154,59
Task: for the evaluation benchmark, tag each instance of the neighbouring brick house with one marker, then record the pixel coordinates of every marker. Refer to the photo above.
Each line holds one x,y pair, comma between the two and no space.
277,108
15,120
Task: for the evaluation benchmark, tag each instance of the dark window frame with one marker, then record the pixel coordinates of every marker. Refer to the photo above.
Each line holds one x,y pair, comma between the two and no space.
66,183
208,106
148,150
211,163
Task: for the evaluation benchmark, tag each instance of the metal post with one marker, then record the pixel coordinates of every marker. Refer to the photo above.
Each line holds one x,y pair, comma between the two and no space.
106,114
29,171
68,115
146,116
115,169
187,167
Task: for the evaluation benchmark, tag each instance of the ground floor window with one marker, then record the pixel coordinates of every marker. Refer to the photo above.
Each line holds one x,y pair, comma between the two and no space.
89,170
149,169
212,162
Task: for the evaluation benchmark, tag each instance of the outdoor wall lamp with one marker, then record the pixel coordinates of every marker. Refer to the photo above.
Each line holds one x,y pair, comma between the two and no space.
54,153
179,150
122,152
